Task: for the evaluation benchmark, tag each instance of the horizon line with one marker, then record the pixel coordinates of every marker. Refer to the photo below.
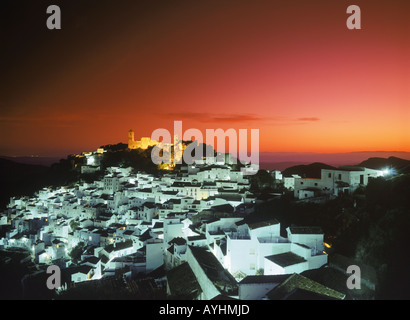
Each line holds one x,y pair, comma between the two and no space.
260,152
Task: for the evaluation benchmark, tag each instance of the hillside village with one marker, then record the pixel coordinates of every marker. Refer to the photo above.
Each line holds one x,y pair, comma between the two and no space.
185,234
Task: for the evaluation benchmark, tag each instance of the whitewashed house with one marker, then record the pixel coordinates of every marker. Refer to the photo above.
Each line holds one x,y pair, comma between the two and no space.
82,273
345,179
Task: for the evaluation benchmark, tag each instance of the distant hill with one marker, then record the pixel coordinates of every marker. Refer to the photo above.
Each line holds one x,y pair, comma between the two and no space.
397,164
280,165
269,160
43,161
312,170
18,178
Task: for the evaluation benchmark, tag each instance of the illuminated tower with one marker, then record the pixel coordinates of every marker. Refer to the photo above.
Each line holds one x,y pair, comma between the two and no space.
131,139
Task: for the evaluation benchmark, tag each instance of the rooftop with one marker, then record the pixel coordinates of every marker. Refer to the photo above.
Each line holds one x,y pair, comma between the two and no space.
220,277
260,224
182,282
285,259
264,279
119,246
297,281
306,230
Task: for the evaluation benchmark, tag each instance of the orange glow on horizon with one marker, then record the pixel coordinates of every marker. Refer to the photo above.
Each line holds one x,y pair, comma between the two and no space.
292,71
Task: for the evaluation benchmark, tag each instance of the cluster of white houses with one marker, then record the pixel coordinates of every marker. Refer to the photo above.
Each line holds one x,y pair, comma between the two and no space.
345,179
333,182
137,223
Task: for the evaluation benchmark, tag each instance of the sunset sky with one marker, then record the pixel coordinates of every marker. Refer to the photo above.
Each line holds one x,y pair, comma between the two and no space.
290,68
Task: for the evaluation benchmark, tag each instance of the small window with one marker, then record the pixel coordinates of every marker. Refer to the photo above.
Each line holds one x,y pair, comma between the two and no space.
329,175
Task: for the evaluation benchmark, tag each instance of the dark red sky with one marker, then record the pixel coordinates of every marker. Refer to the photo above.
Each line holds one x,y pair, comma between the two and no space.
289,68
